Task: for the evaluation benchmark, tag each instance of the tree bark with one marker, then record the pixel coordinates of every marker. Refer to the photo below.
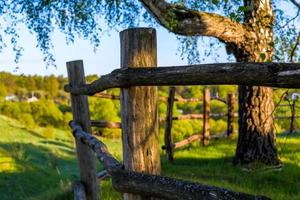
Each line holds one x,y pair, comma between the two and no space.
256,141
139,106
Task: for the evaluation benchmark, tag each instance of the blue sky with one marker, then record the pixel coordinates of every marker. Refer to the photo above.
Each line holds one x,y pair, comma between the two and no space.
103,61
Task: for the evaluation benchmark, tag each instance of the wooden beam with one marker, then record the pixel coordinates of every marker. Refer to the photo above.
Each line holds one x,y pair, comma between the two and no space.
189,140
80,110
206,117
172,189
168,127
107,96
103,155
230,114
188,116
153,185
105,124
286,75
139,106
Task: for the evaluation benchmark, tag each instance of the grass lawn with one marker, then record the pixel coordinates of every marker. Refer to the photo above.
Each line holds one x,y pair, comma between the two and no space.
34,167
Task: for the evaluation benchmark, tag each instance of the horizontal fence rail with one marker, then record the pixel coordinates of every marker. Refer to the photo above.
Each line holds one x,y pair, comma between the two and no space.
105,124
262,74
152,185
190,140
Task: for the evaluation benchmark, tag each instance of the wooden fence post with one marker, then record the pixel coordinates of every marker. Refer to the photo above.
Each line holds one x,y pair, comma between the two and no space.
80,110
230,114
206,116
293,112
168,129
139,106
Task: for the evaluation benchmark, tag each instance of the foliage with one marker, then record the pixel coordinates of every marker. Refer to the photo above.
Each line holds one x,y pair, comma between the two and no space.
89,19
3,91
48,132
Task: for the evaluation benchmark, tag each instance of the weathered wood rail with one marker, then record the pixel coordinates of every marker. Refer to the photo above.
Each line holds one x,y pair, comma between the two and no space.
150,185
105,124
140,119
205,137
285,75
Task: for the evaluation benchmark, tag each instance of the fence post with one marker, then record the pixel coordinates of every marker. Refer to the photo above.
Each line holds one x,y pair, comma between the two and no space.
139,111
230,114
206,116
80,110
293,112
168,129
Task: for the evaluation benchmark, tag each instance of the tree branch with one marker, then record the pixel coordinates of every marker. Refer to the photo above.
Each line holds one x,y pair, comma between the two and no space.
184,21
295,47
297,4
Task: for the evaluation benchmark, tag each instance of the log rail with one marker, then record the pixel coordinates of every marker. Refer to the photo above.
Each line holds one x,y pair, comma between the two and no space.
150,185
285,75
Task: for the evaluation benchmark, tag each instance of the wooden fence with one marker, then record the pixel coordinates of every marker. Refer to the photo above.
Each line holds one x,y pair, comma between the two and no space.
140,119
205,136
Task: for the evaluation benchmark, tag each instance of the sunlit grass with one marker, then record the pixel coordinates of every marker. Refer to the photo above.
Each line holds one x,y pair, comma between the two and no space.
37,168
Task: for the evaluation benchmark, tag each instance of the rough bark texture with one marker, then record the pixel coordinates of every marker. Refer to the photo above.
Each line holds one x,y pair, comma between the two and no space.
100,149
256,142
139,106
230,114
168,128
173,189
80,110
183,21
78,191
285,75
206,116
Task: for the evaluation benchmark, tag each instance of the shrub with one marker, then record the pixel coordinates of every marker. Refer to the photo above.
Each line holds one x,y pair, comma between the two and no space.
48,132
27,120
10,109
46,112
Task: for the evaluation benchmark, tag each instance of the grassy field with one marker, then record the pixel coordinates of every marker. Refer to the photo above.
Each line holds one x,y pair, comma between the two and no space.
40,164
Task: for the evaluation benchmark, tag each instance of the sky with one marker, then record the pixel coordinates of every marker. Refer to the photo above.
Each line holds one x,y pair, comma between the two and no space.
103,61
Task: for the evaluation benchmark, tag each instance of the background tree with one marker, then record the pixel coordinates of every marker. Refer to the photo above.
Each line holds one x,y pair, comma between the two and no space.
245,27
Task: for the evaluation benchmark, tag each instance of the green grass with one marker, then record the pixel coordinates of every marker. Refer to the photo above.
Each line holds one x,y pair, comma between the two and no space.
33,167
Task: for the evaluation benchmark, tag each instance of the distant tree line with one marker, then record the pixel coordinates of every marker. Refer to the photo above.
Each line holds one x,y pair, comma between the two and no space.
53,106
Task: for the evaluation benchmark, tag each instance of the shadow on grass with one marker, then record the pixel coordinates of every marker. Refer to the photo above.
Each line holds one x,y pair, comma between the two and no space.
281,185
40,172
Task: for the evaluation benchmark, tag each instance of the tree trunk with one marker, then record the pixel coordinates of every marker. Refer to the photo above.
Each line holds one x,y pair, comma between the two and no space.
256,141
